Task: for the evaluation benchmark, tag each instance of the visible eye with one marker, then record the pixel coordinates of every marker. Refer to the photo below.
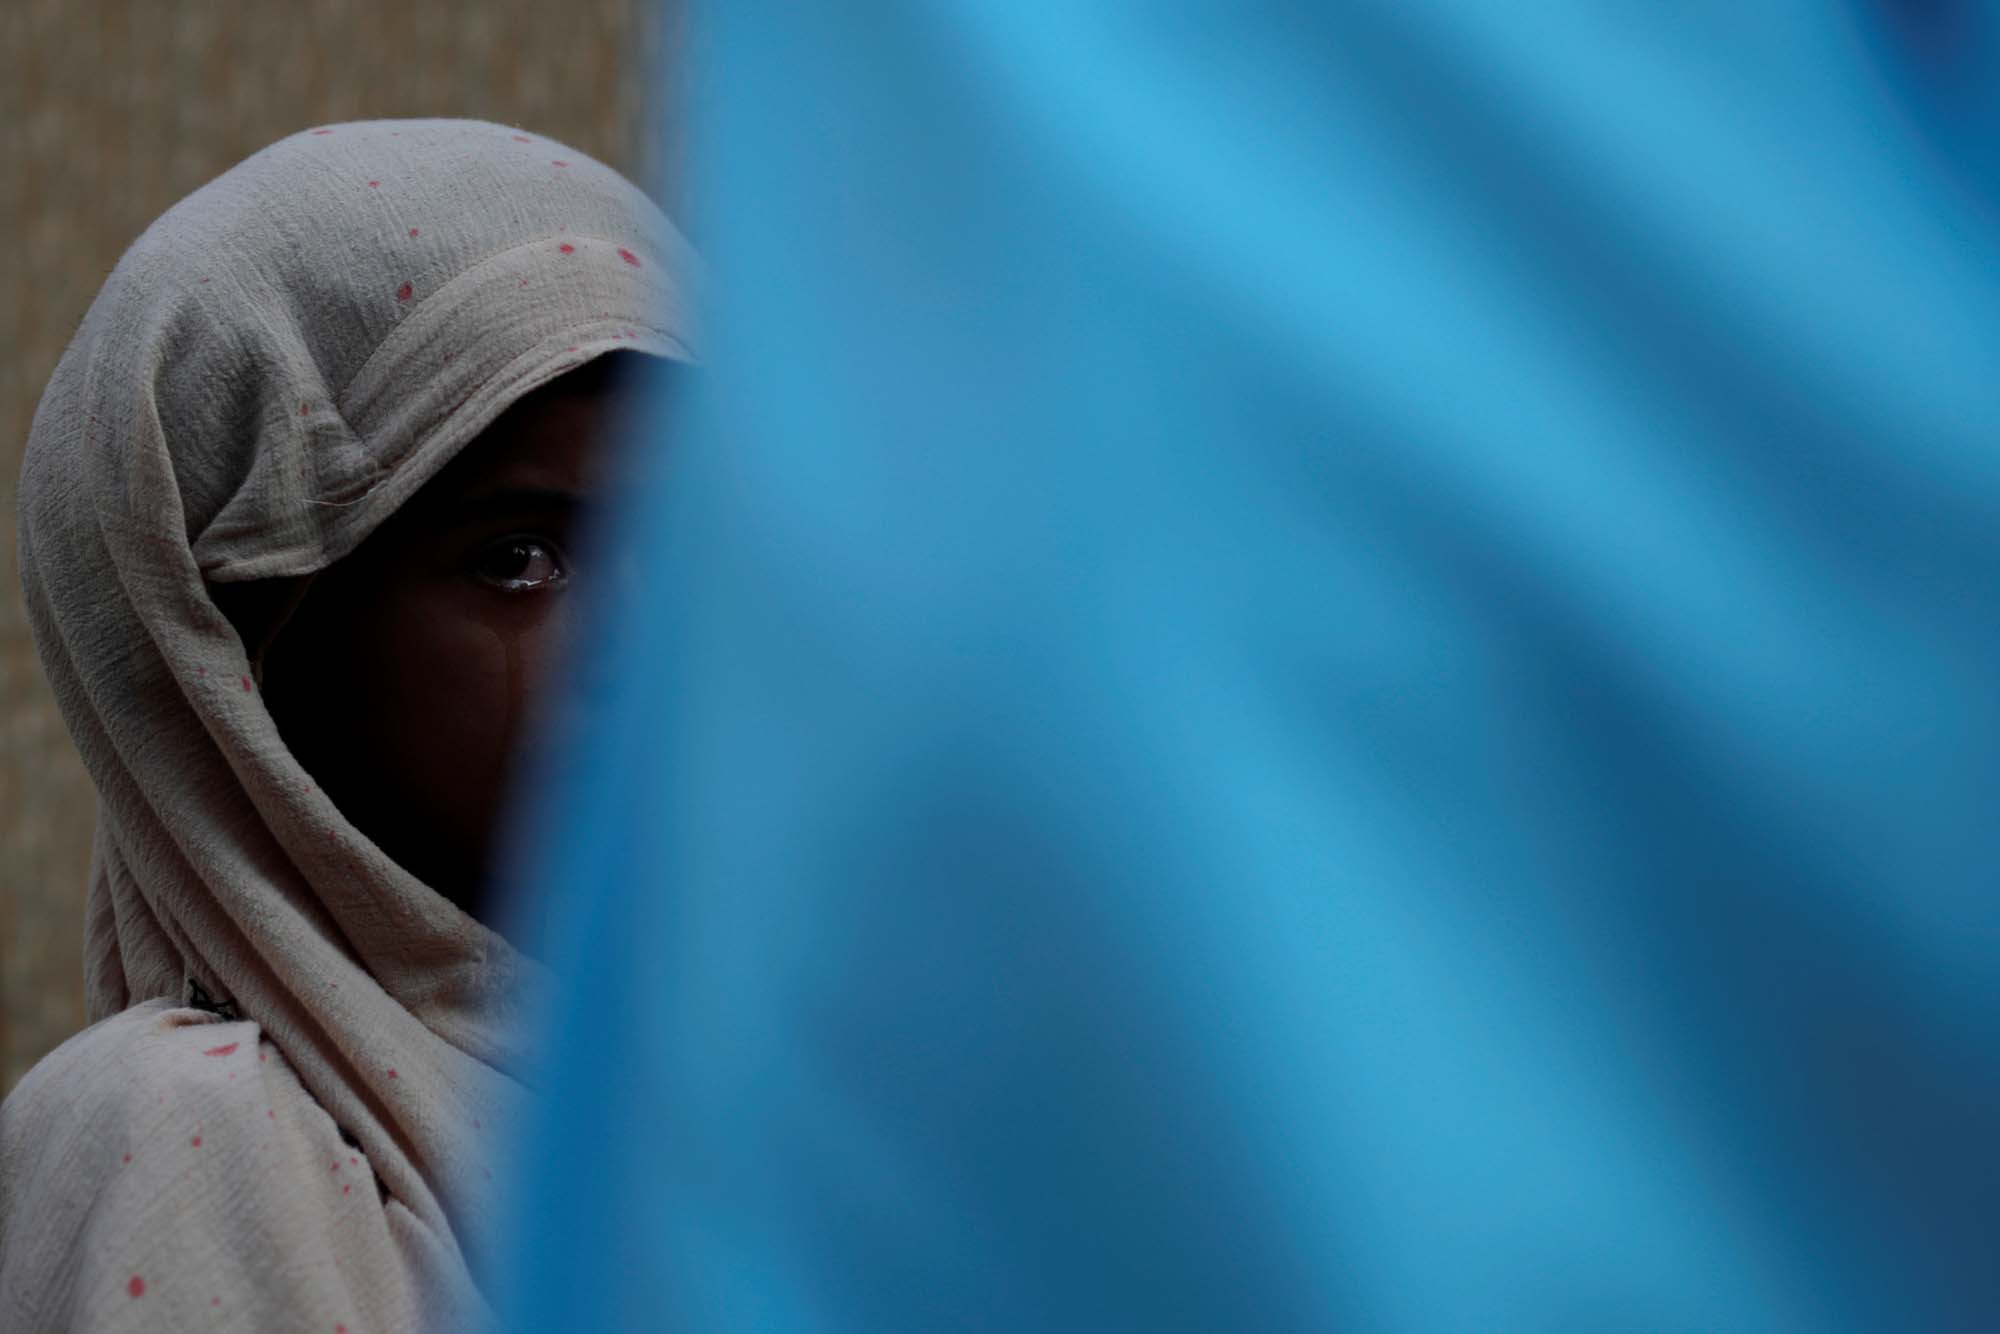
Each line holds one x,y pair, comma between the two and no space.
519,564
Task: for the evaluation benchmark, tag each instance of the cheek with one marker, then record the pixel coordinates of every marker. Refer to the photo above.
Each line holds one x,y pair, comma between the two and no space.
464,681
407,699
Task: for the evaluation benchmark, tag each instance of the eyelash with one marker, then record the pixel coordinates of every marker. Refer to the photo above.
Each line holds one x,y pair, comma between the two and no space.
506,546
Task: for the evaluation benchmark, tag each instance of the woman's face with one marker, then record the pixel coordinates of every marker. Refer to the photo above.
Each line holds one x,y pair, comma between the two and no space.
408,677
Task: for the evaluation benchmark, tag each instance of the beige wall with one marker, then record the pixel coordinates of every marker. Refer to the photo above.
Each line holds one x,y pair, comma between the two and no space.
114,109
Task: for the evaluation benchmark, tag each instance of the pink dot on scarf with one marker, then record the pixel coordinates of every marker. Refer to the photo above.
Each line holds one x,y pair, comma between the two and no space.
522,139
204,280
304,408
201,671
215,1301
392,1074
345,1189
137,1287
403,292
222,1051
271,1113
246,684
322,131
195,1142
374,185
413,231
629,258
128,1157
334,1168
567,248
557,162
261,1055
572,347
353,1162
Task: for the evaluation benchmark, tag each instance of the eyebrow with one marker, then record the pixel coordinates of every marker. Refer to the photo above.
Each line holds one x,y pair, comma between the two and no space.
505,501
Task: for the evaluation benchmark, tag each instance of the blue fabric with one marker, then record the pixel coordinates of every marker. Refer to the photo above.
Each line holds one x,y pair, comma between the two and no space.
1304,667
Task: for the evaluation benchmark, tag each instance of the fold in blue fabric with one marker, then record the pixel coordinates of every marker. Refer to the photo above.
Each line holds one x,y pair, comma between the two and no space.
1301,667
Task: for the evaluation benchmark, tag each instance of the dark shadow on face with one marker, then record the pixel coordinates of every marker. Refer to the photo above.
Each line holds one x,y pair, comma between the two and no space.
410,675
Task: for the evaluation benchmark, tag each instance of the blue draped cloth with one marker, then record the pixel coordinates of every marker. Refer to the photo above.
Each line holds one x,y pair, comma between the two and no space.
1302,667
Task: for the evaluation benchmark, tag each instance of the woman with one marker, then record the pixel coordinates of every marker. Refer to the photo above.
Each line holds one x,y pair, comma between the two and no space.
296,530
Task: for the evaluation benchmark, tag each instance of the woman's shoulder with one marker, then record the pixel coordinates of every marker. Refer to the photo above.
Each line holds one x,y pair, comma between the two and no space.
132,1094
150,1028
166,1154
152,1055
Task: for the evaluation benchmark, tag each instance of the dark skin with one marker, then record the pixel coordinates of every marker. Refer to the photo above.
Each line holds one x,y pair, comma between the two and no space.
409,677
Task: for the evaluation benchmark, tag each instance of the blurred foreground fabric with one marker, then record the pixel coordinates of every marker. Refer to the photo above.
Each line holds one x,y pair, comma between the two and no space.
1303,668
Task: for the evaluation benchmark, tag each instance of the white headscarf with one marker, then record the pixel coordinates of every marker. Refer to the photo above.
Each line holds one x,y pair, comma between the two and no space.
281,361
